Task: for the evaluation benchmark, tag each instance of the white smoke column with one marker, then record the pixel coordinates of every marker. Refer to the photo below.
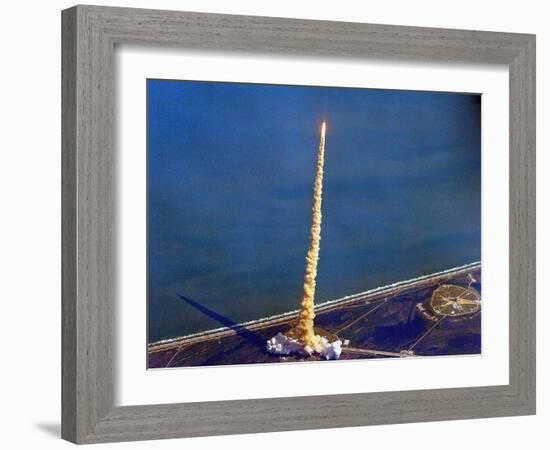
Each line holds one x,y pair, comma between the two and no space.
305,331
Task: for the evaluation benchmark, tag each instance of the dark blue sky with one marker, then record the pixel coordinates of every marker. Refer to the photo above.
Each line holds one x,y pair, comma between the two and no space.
230,180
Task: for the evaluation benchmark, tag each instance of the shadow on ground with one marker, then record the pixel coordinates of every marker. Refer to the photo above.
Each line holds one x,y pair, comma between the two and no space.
240,329
52,429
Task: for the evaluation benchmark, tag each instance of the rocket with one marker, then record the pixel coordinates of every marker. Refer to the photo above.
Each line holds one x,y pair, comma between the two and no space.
305,327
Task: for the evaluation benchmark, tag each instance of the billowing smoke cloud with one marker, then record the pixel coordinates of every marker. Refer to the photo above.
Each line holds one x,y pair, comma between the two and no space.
305,340
304,329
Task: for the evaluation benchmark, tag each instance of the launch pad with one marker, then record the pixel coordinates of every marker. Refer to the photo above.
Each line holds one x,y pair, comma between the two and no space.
412,318
456,301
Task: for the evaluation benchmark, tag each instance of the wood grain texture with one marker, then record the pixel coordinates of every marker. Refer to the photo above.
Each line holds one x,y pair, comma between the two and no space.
89,36
68,225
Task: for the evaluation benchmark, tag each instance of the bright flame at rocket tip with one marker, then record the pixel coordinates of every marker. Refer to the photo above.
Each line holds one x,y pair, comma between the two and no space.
323,127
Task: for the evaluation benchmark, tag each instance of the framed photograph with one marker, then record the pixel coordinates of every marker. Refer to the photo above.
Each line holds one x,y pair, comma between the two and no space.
278,224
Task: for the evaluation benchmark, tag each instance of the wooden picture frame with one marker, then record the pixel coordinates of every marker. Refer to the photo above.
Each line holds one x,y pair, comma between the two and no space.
90,34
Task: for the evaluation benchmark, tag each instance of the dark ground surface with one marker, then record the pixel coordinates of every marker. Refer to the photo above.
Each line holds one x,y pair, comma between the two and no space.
386,325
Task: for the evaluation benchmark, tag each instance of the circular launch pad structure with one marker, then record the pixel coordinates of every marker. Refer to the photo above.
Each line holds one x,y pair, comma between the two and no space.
455,301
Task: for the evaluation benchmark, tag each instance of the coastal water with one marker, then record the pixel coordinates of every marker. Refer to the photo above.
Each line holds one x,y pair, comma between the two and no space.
230,173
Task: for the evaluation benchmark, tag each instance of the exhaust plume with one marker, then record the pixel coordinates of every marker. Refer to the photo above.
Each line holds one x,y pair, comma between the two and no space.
305,328
303,339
